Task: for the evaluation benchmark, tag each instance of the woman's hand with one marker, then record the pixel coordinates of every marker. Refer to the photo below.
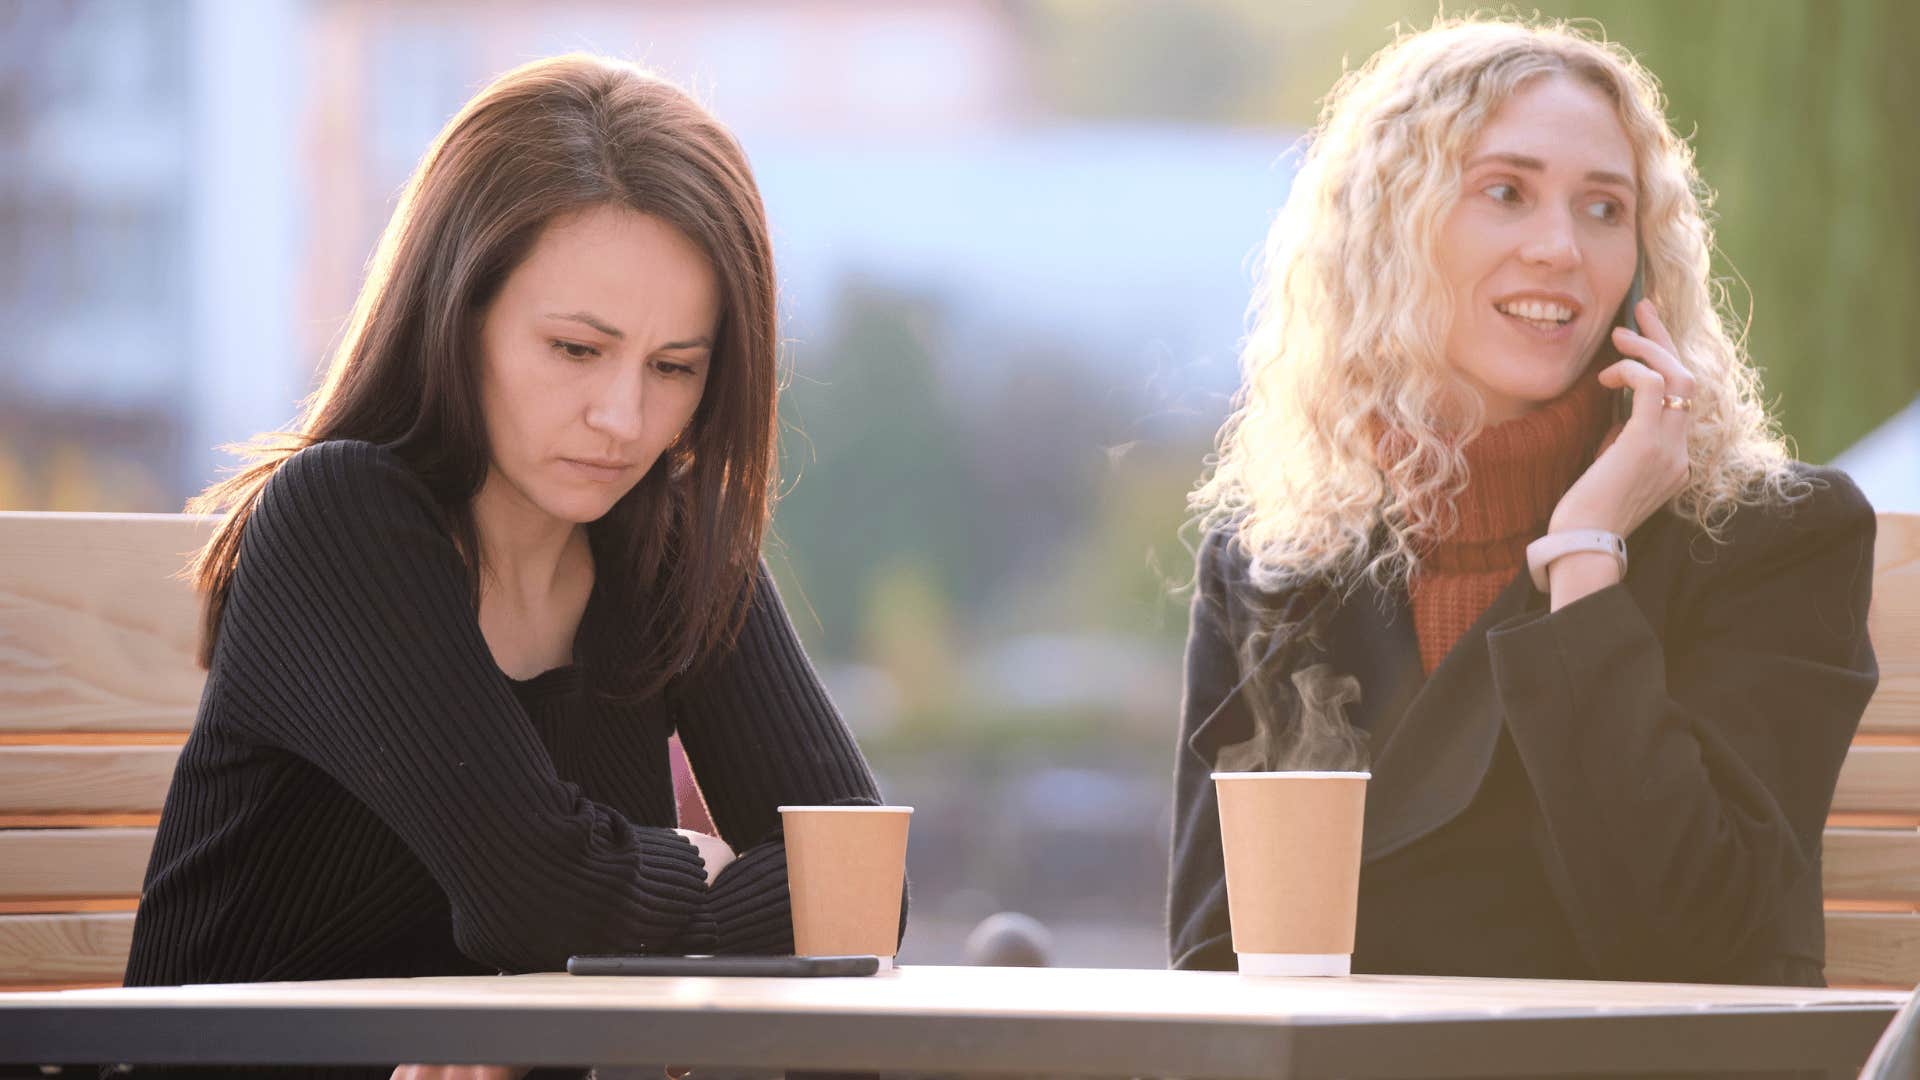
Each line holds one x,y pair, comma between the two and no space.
1640,468
713,851
458,1072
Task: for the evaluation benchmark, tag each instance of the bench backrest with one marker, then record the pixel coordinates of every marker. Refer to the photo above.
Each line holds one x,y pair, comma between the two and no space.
1872,849
98,688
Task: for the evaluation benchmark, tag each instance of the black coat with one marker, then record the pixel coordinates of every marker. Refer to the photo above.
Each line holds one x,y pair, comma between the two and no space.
1632,787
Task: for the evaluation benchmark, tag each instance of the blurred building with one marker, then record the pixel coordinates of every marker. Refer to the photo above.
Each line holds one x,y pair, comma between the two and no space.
148,245
385,76
192,189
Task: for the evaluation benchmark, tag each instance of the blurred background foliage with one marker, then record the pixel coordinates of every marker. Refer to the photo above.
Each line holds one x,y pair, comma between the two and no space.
1801,116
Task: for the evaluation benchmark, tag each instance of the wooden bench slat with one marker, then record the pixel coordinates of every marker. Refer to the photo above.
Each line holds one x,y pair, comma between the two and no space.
93,738
1902,907
1842,820
1886,738
39,949
1873,950
1872,864
84,779
80,821
1895,707
1884,779
97,632
46,988
67,905
54,863
1894,623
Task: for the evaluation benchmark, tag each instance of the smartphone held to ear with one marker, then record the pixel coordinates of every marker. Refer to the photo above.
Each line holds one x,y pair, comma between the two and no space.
1623,398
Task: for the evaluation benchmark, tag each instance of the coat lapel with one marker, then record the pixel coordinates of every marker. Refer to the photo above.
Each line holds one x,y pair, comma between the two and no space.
1373,636
1233,720
1433,738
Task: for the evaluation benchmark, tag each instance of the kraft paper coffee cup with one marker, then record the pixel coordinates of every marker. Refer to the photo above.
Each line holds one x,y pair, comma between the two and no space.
1292,847
846,869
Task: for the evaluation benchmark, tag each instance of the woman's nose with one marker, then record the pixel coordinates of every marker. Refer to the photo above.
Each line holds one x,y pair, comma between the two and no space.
618,407
1553,243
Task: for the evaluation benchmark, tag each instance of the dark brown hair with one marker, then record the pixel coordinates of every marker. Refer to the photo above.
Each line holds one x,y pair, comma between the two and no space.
546,139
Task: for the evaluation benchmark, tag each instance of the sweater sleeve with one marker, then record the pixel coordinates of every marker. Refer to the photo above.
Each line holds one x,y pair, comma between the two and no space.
349,635
760,732
1683,782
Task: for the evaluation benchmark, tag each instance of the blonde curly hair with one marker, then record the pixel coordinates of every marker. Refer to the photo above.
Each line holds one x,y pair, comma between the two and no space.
1349,317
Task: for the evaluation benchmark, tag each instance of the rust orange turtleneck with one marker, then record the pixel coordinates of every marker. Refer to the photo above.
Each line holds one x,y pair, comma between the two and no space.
1517,472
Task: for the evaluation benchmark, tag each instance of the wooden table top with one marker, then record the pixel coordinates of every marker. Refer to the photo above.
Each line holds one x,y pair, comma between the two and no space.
1085,1021
1076,992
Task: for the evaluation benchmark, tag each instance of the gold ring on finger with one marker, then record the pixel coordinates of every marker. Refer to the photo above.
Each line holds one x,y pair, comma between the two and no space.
1676,401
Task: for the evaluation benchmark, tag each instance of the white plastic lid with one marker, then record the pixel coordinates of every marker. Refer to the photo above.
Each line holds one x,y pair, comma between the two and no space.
849,809
1297,774
1296,963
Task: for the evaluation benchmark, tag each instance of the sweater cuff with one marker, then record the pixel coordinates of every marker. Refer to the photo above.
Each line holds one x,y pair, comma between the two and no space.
749,906
748,910
1547,652
674,870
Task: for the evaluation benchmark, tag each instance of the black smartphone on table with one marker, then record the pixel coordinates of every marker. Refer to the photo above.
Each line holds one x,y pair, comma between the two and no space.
739,966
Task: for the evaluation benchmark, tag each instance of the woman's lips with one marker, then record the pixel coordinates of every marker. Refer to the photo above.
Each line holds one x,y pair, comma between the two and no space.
598,471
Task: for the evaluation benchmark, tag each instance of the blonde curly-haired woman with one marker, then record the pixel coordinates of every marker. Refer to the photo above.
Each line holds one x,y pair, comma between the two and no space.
1609,656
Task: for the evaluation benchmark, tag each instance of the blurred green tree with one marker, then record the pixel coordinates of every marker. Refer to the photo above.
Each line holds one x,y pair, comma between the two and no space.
881,467
1801,114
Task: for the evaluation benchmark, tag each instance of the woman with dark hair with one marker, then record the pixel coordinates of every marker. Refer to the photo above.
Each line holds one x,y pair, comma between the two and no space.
512,545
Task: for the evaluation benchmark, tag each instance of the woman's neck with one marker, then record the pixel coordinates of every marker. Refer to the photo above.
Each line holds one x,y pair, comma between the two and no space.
1518,469
526,554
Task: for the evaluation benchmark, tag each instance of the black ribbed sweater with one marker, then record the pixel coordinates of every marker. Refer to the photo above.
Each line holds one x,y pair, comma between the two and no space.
365,793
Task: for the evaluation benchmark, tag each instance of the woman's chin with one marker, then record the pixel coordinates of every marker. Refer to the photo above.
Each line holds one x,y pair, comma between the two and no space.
577,508
1531,389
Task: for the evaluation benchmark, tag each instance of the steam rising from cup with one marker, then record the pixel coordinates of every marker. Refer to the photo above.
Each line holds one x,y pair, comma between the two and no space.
1301,729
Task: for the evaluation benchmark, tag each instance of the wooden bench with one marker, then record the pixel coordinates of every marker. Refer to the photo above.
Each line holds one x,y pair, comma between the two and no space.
98,687
1872,860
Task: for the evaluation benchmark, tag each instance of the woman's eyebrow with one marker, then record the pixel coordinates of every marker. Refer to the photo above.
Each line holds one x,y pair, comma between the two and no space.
1534,164
589,319
703,341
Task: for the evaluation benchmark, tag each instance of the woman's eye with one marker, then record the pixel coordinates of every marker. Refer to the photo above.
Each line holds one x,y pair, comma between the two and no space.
1606,210
668,367
573,350
1502,192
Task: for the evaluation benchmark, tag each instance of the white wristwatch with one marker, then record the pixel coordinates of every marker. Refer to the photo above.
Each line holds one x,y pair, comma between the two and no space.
1542,552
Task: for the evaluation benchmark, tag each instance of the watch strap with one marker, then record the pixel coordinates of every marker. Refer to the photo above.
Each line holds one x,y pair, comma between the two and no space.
1542,552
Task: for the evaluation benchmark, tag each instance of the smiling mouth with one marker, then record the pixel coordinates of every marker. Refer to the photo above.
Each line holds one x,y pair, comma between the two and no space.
1540,314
